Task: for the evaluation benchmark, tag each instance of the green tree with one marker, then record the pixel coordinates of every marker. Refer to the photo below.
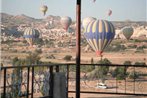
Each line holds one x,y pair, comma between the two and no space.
119,73
103,70
125,68
100,71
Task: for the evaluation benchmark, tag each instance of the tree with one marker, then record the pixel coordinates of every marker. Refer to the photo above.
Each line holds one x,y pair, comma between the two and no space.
100,71
33,58
119,73
127,63
103,70
16,78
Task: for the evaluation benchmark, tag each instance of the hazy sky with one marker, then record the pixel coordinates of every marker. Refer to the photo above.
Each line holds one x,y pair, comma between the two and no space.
122,9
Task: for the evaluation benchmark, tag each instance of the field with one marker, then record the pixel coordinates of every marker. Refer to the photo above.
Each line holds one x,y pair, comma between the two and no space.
59,54
114,57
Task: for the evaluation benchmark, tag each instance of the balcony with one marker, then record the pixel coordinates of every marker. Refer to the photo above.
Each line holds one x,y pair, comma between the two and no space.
37,81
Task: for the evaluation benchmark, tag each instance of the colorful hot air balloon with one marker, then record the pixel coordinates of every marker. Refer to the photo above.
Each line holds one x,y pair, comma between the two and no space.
86,21
30,34
127,32
99,34
66,22
109,12
44,9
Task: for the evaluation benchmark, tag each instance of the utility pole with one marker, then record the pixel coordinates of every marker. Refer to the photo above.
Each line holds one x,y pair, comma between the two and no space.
78,49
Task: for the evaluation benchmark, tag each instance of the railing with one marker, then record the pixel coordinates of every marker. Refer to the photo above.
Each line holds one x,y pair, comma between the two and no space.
37,80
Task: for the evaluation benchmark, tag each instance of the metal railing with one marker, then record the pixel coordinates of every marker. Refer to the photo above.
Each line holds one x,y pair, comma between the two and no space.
37,80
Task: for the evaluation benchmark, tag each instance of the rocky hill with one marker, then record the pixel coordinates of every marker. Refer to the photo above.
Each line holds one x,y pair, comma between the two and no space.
11,23
10,20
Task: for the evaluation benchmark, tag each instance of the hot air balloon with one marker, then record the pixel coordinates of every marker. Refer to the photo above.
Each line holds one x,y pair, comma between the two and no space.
30,34
99,34
86,21
109,12
94,0
66,22
127,32
43,9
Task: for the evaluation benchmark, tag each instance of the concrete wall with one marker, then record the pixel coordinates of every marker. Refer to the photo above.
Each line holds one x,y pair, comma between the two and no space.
59,89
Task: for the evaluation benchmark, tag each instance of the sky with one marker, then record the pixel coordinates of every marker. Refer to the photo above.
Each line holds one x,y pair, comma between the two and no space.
135,10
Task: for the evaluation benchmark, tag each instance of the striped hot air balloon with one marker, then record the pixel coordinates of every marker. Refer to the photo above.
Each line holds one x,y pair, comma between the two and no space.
99,35
30,34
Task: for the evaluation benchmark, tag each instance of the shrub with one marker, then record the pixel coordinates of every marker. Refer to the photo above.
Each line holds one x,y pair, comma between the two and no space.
87,68
14,50
23,51
15,60
132,46
67,57
50,56
115,48
2,49
104,61
39,41
139,48
33,58
139,51
127,63
72,68
139,63
38,51
92,61
133,75
24,41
